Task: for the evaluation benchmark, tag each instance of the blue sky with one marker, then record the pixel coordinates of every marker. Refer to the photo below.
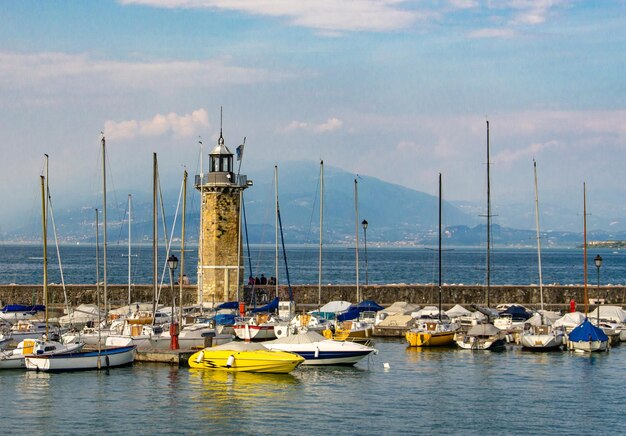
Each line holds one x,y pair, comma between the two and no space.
398,90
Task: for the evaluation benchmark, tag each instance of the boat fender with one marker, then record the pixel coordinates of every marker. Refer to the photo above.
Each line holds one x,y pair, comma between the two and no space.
230,361
106,359
317,352
200,356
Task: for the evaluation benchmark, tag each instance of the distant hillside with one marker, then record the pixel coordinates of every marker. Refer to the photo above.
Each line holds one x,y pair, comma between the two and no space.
396,215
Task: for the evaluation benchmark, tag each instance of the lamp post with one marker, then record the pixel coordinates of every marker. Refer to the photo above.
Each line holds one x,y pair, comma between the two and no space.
598,262
364,224
172,263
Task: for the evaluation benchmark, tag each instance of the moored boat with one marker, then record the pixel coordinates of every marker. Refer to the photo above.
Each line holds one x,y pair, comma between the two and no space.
587,338
317,350
82,360
482,337
245,357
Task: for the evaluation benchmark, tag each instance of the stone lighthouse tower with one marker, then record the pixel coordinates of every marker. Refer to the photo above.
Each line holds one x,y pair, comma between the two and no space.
220,260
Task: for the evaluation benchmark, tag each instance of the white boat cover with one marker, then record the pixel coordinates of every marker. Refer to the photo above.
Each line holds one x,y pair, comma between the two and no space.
609,313
483,330
572,319
334,306
143,307
397,320
457,311
428,311
309,337
536,320
400,307
81,314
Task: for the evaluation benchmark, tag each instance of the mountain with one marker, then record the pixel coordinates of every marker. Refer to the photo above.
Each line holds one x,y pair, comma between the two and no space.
396,214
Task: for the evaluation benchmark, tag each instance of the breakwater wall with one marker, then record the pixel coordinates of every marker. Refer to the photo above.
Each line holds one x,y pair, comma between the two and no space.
555,296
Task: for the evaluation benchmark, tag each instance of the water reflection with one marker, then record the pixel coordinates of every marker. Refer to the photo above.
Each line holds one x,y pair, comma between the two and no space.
221,395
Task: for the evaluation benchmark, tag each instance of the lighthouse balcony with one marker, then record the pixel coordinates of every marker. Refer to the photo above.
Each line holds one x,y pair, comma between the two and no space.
223,178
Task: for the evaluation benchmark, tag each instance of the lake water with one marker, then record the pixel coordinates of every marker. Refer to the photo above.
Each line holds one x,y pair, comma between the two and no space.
441,391
430,391
22,264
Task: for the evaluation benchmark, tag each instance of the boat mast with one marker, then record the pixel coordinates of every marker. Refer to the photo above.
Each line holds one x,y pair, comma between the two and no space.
201,236
98,280
356,247
129,248
488,222
104,224
439,237
538,237
182,251
276,225
319,284
586,296
155,232
45,249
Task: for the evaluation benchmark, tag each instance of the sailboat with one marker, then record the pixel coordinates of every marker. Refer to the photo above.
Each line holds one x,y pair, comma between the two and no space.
433,332
586,337
484,336
42,347
538,333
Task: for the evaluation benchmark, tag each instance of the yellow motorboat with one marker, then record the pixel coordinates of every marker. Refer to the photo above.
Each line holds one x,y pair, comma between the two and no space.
248,357
431,334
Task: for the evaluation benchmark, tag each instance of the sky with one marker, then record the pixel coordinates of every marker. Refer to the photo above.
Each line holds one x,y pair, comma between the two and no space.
394,89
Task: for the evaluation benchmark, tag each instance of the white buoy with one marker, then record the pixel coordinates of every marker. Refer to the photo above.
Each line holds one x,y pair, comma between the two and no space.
386,365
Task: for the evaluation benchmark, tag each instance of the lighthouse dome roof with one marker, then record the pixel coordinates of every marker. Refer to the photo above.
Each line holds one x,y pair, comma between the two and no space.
220,148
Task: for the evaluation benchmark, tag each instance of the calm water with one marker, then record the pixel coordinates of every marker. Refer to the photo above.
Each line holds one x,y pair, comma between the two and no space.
422,392
23,265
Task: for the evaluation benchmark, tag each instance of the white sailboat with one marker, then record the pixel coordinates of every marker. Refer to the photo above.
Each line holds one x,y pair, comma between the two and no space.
16,358
439,331
586,337
539,334
484,336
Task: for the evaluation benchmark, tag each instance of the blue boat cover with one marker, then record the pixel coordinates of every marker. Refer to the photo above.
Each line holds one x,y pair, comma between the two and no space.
355,310
224,319
23,308
369,305
586,332
229,305
352,313
269,307
518,313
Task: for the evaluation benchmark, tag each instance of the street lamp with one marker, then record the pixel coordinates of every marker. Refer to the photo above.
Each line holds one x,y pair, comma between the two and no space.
364,224
172,263
598,262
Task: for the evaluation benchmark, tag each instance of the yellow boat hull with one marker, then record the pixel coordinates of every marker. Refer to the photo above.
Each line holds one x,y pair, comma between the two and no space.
275,362
429,339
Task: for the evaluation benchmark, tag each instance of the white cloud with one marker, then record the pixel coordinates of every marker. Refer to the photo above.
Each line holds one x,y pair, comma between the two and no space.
323,15
49,72
492,33
179,125
329,125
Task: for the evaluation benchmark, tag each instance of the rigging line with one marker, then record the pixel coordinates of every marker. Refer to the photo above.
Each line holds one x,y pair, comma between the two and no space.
122,222
168,243
282,238
56,242
317,188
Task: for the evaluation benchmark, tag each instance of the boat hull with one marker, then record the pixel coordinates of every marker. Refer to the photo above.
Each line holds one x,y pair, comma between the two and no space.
326,352
429,339
588,346
84,360
266,361
541,342
254,332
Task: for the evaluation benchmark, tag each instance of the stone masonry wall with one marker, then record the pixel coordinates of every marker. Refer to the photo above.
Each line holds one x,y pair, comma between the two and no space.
555,296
